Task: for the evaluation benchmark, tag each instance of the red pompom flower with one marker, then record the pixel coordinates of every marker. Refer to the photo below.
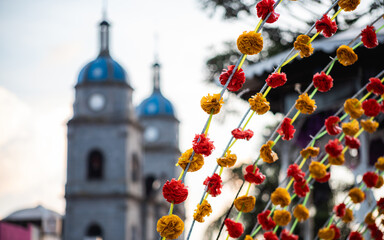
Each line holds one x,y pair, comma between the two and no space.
375,86
214,184
175,191
332,126
234,229
286,129
380,204
265,220
324,179
237,80
265,7
301,188
337,231
352,142
370,179
322,82
270,236
355,236
286,235
275,80
339,210
368,37
327,26
334,147
371,107
202,145
376,234
240,134
295,172
254,175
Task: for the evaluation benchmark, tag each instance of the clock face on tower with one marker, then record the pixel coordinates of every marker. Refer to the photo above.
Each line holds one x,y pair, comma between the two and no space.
96,102
151,134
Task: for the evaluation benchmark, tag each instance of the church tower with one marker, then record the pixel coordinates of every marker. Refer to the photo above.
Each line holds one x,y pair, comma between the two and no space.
104,189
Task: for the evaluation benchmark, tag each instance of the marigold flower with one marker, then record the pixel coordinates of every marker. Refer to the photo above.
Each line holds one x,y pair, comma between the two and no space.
350,128
305,105
282,217
211,103
253,175
228,160
204,209
237,80
340,210
286,129
380,182
352,106
371,107
370,179
369,125
349,5
368,37
334,147
175,191
380,204
196,163
352,142
369,219
270,236
339,160
265,220
259,104
248,237
170,227
322,82
265,7
242,134
355,236
234,229
295,172
326,233
301,188
245,203
346,55
317,169
267,154
356,195
337,231
286,235
303,45
202,145
332,126
214,184
326,25
275,80
250,43
324,179
375,86
380,164
281,197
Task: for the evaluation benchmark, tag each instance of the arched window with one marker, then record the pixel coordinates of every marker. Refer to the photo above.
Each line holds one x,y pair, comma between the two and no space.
95,165
135,167
94,231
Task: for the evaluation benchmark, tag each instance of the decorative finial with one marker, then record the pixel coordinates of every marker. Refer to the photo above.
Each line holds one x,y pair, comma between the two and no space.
104,31
156,65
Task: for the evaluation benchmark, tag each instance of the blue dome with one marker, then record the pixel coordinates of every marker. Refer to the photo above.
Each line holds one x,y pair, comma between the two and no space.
156,104
102,69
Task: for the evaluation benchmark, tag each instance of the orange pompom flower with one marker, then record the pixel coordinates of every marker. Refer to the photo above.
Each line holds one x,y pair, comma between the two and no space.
369,125
282,217
350,128
346,55
204,209
369,219
356,195
380,164
305,105
245,203
380,182
267,154
259,104
349,5
310,152
228,160
196,163
303,45
250,43
326,233
352,106
170,227
211,104
301,213
339,160
281,197
348,216
317,169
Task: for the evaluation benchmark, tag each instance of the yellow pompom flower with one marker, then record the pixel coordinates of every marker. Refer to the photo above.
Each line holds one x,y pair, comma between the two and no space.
317,169
281,197
202,210
267,154
305,105
380,164
228,160
352,106
346,55
248,237
282,217
326,233
339,160
250,43
310,152
356,195
369,219
369,125
170,227
301,213
380,182
303,45
197,161
245,203
349,5
348,216
350,128
211,104
259,104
